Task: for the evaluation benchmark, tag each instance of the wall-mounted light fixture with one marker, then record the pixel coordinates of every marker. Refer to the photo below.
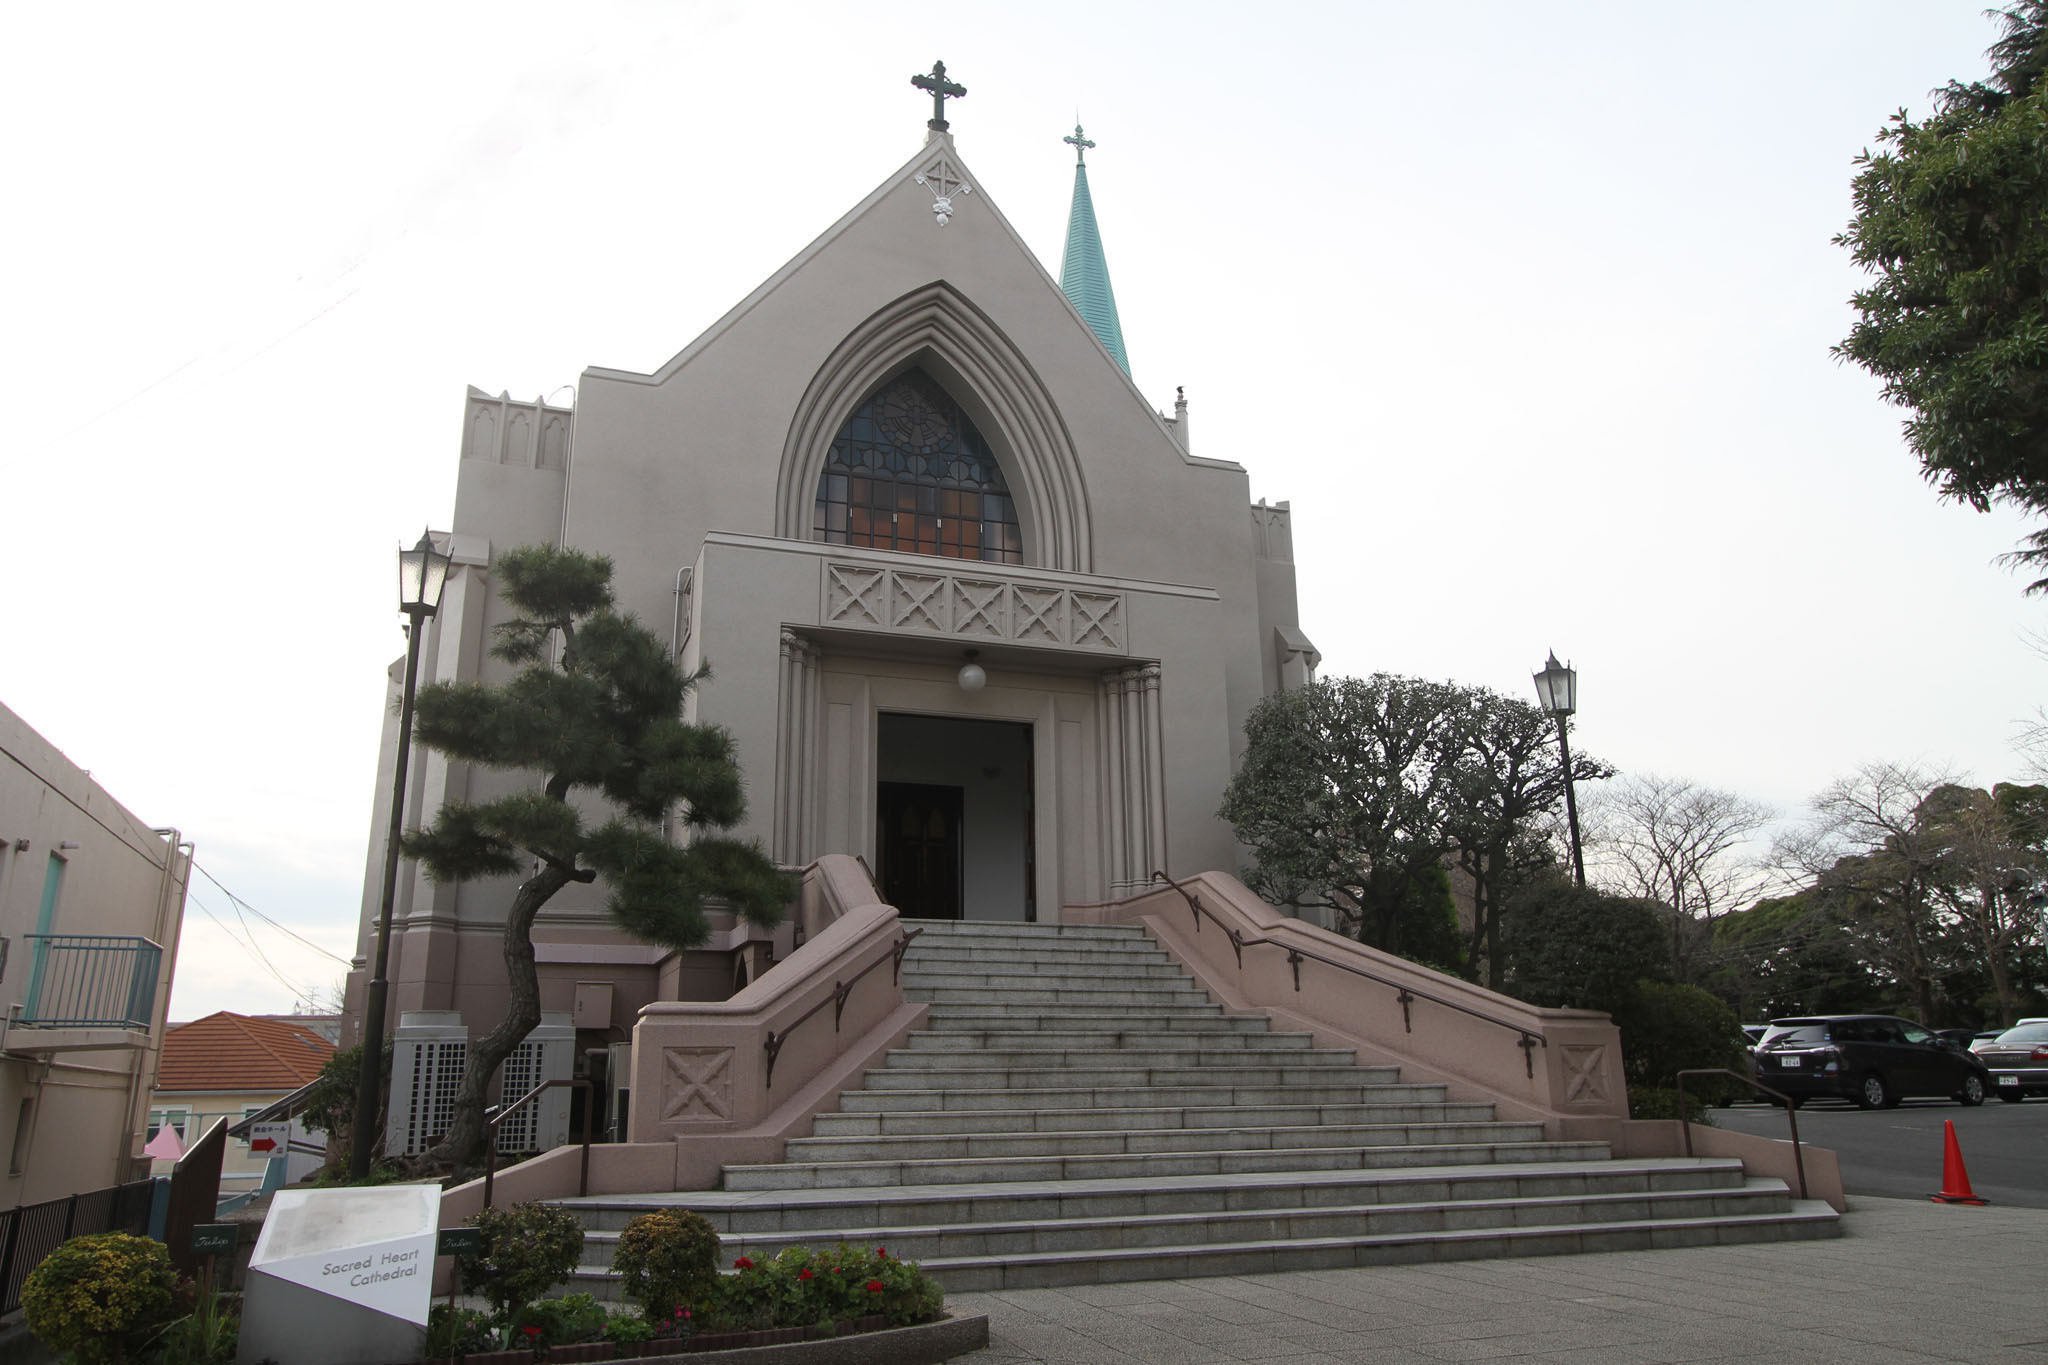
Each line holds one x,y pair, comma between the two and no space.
972,678
66,846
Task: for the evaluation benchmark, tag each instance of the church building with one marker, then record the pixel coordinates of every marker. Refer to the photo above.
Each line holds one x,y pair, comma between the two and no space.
976,609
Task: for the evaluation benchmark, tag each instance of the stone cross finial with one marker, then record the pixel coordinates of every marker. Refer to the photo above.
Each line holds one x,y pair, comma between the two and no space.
941,90
1081,146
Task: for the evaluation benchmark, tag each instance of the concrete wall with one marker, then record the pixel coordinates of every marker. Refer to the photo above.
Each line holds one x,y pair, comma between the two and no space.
72,1114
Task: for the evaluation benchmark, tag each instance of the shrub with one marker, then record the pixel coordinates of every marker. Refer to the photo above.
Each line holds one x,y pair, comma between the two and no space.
455,1331
804,1288
100,1298
1666,1029
666,1259
527,1249
563,1321
1658,1102
628,1327
207,1335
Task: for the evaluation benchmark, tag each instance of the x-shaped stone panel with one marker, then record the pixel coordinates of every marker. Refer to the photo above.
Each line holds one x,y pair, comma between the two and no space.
853,595
1098,620
978,608
1582,1064
1039,616
696,1084
916,601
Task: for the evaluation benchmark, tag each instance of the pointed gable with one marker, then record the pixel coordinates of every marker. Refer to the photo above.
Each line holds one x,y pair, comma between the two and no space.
227,1051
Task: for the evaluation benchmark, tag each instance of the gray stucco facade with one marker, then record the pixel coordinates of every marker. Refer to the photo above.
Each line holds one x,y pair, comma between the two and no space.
1153,606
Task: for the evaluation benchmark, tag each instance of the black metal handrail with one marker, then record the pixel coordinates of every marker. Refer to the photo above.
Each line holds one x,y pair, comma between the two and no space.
1406,997
491,1131
840,990
1791,1116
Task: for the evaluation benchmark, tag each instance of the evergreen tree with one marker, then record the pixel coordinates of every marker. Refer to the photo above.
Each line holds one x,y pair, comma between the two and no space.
596,706
1952,219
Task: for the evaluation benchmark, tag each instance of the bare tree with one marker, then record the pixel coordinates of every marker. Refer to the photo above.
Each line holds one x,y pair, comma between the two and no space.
1993,863
1868,847
1671,840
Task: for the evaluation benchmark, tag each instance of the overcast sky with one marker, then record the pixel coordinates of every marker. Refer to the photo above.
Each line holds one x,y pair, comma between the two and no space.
1526,307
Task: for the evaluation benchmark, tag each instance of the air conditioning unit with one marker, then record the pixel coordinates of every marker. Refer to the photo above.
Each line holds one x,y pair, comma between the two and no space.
546,1054
428,1051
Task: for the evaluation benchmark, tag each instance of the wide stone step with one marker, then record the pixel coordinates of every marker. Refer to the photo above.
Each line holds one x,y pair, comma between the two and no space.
922,952
1139,995
935,931
1804,1220
1137,980
1067,1040
1108,1072
1072,1061
900,1101
886,1209
977,969
1152,1165
920,1122
968,1146
944,1241
949,1015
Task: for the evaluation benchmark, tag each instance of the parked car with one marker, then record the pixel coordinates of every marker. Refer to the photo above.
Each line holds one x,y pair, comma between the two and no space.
1873,1059
2018,1060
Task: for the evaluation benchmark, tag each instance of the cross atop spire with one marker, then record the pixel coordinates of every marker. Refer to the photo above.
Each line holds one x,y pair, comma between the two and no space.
941,90
1081,146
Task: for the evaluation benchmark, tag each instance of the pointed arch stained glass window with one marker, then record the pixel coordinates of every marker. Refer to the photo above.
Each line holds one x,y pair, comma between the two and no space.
909,472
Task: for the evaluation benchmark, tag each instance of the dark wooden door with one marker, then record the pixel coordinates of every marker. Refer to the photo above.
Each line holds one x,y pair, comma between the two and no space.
917,842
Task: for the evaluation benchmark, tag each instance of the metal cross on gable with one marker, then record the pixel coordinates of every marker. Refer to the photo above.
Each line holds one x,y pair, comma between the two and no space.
941,90
1080,145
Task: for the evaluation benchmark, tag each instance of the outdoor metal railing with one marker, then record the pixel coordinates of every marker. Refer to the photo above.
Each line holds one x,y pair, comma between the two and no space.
491,1131
33,1231
1406,995
1791,1114
90,981
840,990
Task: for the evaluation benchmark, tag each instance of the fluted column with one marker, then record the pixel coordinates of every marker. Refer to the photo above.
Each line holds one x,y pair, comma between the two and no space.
1133,777
796,751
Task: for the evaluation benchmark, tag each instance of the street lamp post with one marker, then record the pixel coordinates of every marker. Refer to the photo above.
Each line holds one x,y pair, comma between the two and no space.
1557,688
422,573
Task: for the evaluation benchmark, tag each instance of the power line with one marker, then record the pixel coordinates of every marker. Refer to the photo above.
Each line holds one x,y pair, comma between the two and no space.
298,991
241,905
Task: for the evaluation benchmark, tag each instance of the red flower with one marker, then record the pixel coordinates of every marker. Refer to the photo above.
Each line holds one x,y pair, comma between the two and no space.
803,1274
874,1286
743,1264
882,1253
531,1332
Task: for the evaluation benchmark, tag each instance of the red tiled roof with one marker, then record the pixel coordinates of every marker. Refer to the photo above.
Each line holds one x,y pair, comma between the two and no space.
234,1052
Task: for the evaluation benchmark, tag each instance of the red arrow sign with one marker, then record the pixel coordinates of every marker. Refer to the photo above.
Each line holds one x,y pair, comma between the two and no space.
263,1145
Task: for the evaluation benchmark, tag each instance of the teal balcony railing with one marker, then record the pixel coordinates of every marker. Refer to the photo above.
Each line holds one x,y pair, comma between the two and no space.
90,981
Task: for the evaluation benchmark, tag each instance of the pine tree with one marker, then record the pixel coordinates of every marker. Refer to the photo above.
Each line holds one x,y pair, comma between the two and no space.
597,706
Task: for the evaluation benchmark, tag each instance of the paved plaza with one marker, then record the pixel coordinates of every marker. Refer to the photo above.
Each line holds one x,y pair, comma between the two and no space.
1909,1280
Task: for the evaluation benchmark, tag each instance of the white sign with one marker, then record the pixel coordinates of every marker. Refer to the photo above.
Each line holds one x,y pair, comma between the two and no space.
373,1248
270,1138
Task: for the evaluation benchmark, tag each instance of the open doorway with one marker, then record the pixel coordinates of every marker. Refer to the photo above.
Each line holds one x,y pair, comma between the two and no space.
953,818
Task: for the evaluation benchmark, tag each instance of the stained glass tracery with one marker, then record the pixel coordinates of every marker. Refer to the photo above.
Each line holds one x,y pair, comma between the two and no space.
910,472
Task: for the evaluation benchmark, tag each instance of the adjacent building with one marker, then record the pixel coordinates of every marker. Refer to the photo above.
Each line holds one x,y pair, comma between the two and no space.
233,1066
91,901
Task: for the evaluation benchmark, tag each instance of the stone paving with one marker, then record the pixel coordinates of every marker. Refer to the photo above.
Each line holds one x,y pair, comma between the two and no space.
1908,1281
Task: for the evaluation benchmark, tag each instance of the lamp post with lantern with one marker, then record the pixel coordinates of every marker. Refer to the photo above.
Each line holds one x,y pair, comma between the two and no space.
1557,689
422,574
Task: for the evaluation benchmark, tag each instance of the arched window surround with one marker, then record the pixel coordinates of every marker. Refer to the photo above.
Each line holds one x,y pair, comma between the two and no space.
937,330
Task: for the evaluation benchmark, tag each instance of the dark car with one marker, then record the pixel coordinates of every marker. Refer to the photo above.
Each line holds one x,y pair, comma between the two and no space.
1875,1060
2018,1059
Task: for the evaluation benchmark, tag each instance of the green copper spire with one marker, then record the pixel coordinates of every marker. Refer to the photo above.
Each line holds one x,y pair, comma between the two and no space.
1084,273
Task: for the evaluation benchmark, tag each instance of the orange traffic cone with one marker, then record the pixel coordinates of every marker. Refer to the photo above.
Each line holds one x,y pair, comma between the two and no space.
1955,1181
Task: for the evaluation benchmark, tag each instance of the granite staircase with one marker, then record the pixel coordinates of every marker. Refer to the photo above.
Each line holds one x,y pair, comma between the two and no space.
1077,1111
